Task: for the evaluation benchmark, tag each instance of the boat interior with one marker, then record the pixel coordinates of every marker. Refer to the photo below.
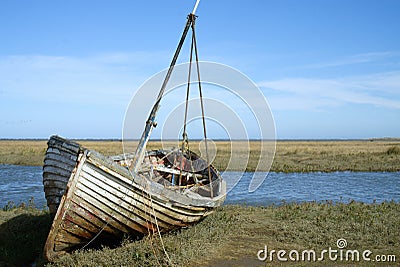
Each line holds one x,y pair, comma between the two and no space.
177,170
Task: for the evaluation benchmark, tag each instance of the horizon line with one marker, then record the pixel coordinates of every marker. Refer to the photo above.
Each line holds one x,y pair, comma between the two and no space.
218,140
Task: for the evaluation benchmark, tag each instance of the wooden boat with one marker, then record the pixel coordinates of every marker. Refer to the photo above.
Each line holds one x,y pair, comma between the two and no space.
62,157
98,198
103,200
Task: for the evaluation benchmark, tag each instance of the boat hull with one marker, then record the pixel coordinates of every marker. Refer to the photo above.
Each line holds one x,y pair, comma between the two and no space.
59,162
103,201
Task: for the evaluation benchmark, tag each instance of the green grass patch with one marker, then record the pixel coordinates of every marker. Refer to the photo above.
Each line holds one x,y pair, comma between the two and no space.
23,231
229,237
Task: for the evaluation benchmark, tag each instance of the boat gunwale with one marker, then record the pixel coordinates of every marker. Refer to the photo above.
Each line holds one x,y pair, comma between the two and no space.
156,189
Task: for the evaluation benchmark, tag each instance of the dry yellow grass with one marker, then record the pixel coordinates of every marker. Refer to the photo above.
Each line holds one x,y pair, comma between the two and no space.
365,155
290,156
26,152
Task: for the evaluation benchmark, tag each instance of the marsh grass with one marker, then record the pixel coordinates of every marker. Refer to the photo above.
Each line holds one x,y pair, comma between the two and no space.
229,237
290,156
330,156
395,150
22,152
23,231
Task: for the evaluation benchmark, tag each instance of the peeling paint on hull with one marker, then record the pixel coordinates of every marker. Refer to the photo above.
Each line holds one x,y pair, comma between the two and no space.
102,196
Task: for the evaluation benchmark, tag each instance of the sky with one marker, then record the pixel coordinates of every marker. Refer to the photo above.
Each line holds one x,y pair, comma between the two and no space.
328,69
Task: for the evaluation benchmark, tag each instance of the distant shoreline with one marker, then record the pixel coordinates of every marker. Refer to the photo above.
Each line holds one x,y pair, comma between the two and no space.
290,156
217,140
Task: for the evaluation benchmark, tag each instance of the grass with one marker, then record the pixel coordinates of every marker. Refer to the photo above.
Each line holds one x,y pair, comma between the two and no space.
229,237
23,231
393,150
331,156
290,156
26,152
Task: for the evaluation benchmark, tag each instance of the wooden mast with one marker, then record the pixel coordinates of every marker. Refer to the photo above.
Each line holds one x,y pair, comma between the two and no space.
151,123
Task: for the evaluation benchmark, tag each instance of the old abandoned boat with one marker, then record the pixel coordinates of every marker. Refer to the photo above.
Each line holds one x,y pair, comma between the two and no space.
101,198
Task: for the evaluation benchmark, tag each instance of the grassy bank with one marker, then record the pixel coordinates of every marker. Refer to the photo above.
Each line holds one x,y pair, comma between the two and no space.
290,156
232,236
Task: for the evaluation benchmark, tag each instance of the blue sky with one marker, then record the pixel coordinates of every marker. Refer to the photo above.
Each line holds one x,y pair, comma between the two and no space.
329,69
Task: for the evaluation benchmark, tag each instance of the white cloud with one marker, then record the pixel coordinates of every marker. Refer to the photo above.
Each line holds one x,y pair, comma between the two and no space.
354,59
381,89
72,96
107,78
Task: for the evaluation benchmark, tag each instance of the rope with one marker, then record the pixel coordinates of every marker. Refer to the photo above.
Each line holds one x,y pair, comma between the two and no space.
202,107
184,134
150,123
156,221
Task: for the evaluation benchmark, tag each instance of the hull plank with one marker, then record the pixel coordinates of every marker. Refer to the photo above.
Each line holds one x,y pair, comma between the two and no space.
59,162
